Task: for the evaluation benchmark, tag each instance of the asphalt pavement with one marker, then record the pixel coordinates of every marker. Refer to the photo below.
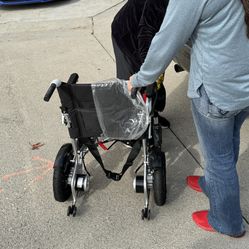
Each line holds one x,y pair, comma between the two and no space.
39,43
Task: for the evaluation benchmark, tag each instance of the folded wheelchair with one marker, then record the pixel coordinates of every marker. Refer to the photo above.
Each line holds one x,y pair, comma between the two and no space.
105,112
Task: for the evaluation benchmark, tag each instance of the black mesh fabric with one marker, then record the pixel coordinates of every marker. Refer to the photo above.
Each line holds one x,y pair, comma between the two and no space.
78,101
104,109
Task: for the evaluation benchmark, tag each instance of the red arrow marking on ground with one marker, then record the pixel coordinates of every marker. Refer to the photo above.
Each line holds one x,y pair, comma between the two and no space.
21,172
46,166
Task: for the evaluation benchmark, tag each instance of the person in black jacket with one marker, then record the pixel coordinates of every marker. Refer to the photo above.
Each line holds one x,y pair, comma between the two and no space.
133,29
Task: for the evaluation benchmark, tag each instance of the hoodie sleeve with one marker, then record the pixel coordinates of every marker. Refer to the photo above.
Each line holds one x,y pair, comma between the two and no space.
149,24
179,23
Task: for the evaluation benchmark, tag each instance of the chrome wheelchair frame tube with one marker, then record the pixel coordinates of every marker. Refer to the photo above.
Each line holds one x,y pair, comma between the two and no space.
146,158
76,159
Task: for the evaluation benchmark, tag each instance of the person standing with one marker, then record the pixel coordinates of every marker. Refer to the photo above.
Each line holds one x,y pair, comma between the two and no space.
133,29
219,93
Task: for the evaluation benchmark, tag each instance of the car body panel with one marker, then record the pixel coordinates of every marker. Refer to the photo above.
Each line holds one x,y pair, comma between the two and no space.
21,2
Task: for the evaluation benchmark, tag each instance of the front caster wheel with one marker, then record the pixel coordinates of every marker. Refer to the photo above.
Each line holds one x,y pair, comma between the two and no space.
69,211
145,214
72,210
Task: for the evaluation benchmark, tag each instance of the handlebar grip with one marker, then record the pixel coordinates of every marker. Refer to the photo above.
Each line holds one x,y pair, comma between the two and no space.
134,92
49,92
73,78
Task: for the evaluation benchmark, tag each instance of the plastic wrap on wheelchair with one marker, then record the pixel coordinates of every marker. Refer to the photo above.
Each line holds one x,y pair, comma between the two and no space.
104,109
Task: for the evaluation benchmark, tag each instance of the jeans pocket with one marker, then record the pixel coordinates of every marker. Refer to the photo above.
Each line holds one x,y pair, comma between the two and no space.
216,112
208,109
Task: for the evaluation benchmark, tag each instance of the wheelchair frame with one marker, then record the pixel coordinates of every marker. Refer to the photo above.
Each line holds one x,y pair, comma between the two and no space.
154,161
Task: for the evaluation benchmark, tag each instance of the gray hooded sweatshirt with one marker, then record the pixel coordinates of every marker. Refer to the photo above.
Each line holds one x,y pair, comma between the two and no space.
220,52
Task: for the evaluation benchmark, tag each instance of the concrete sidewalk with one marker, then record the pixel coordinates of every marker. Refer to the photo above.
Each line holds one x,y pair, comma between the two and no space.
33,52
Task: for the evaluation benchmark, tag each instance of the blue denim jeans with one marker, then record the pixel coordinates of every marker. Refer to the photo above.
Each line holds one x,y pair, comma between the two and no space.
219,136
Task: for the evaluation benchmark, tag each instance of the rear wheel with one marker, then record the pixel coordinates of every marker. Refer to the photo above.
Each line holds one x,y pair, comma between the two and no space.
159,182
62,166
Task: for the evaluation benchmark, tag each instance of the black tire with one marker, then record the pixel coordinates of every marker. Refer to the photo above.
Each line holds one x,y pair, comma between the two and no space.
159,182
62,166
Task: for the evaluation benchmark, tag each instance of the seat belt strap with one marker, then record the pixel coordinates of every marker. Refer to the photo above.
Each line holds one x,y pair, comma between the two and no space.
129,162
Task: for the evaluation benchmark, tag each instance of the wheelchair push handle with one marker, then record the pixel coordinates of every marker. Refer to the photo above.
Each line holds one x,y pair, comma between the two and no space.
149,91
134,91
73,78
54,84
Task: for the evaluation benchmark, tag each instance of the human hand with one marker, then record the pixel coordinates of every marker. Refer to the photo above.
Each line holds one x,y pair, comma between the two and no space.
129,85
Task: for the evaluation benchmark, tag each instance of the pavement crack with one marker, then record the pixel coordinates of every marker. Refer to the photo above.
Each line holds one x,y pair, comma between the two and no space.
245,219
96,38
103,11
92,26
186,148
103,47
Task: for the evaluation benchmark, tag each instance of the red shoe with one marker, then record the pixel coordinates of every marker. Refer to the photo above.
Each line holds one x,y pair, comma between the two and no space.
201,220
192,182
